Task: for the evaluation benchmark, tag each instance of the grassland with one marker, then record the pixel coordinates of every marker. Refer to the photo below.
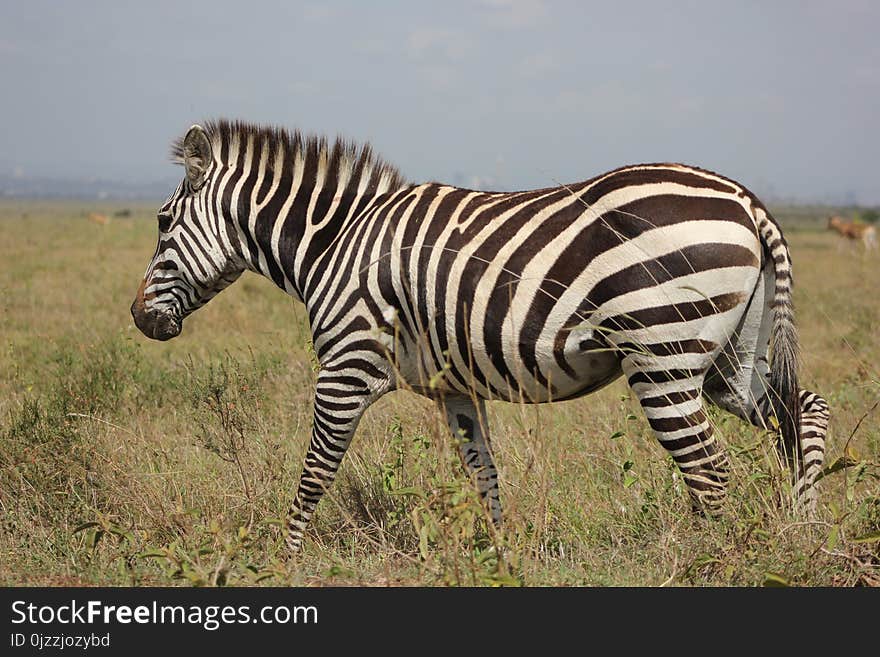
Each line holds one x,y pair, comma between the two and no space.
129,462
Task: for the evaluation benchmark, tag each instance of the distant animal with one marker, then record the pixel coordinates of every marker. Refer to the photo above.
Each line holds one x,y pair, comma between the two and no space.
101,219
854,230
675,277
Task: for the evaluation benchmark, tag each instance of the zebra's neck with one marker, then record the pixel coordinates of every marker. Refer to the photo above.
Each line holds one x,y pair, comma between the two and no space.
289,196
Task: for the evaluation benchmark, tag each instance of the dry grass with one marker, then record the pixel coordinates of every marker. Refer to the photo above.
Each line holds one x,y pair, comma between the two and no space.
125,461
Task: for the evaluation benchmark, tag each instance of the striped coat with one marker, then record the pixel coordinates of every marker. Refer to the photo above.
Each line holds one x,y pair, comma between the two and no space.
675,277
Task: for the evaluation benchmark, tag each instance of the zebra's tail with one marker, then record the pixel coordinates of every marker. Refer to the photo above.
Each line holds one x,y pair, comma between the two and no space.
783,340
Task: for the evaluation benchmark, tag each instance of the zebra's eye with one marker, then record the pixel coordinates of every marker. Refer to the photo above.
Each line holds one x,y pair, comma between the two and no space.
165,221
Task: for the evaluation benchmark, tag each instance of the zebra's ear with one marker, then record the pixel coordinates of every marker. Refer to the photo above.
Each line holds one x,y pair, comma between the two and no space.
196,156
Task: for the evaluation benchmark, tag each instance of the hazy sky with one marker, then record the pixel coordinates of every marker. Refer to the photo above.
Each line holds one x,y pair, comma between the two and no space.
783,96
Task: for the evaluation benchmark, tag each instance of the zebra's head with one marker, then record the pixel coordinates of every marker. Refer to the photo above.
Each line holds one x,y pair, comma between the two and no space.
194,260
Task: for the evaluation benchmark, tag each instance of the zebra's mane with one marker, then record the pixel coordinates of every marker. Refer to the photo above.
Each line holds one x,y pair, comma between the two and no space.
343,160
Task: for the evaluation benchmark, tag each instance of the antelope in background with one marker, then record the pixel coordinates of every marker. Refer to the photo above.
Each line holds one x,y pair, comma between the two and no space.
854,231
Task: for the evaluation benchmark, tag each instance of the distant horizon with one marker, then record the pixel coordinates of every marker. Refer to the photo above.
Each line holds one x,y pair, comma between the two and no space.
98,190
91,188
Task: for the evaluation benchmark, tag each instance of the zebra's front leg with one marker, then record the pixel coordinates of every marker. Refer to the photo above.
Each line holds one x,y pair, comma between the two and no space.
340,401
466,421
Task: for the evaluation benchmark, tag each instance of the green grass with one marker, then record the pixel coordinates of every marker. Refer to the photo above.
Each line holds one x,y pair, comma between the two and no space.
125,461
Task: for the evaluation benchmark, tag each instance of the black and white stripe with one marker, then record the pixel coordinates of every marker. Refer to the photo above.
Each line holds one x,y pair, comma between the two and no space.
673,276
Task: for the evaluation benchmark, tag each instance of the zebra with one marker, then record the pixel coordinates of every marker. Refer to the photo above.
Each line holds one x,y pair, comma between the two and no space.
673,276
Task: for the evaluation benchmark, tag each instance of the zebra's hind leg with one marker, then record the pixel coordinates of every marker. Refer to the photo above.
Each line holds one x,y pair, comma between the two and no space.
466,420
739,382
753,405
814,427
809,455
672,402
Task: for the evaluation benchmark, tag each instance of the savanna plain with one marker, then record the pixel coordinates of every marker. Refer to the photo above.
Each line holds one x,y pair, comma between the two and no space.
129,462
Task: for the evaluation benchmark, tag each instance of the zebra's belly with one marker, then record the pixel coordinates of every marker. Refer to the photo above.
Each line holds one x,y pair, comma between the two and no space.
585,371
544,371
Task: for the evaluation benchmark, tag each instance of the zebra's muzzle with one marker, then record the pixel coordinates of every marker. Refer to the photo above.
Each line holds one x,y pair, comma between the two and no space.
158,326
